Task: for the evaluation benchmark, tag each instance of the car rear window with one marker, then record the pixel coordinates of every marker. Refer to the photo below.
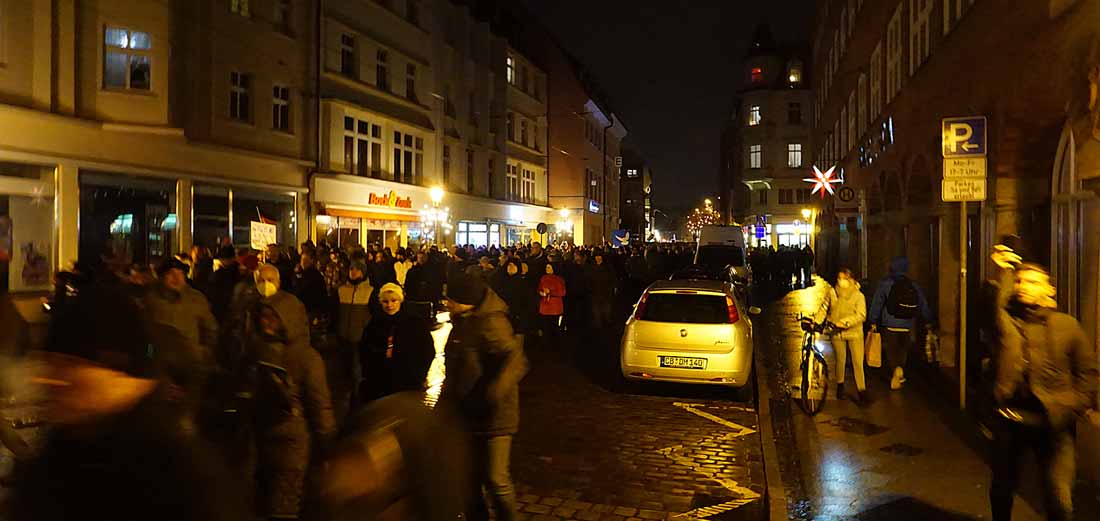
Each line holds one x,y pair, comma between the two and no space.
721,256
685,308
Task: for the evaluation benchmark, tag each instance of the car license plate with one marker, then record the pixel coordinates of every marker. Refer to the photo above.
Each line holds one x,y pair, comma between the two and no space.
681,362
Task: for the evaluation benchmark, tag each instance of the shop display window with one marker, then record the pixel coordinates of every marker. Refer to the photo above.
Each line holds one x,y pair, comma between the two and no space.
127,219
27,228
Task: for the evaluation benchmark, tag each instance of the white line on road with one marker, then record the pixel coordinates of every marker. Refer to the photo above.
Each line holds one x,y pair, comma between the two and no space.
692,408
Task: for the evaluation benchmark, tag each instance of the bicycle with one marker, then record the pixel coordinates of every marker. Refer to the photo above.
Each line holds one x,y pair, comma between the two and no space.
814,367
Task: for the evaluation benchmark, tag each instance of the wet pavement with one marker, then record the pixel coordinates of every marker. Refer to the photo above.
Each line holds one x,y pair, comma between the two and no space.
894,460
592,449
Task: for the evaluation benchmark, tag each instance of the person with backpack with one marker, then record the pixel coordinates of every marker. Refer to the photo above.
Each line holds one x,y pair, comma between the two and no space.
895,308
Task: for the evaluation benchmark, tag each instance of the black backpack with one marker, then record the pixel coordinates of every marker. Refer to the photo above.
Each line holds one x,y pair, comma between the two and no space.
903,301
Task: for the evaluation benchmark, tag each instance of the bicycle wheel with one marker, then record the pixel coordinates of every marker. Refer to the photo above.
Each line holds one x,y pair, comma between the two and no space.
815,384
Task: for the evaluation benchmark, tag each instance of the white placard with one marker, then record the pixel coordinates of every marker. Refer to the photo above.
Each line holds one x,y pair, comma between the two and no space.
261,235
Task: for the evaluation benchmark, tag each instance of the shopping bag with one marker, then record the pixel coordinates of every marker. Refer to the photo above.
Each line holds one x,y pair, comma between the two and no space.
873,345
932,347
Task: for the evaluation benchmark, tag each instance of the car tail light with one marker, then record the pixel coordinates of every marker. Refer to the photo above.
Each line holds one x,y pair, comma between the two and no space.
731,307
639,310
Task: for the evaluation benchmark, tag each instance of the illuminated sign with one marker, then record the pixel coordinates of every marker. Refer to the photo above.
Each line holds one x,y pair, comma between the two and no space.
391,200
823,181
593,206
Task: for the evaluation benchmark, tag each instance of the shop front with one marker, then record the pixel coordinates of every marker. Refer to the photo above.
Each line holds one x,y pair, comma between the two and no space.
28,238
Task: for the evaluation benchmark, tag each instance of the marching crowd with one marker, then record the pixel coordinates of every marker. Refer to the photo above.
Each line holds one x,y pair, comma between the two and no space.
290,383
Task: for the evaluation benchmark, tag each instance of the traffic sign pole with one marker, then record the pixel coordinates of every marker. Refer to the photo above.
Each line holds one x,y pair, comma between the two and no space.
963,230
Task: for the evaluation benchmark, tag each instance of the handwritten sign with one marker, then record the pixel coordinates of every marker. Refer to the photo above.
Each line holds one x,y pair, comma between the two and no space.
261,235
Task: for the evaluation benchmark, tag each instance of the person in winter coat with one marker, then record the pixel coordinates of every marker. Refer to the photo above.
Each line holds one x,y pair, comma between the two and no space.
357,303
227,274
293,412
1046,376
396,350
516,292
310,287
846,309
485,363
604,286
897,304
402,266
551,290
383,272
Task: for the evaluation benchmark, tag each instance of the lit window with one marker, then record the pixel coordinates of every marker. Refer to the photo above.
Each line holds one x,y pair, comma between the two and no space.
240,96
756,156
239,7
280,108
127,59
513,182
757,75
920,33
794,72
511,70
527,194
794,155
754,115
408,159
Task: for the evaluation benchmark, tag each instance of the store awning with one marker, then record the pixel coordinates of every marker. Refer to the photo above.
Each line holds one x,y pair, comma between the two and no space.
382,216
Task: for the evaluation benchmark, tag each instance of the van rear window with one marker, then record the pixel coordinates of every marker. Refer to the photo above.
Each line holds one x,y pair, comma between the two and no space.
686,309
719,257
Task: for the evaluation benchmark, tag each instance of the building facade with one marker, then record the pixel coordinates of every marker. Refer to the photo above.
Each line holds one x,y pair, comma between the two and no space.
887,74
767,147
635,196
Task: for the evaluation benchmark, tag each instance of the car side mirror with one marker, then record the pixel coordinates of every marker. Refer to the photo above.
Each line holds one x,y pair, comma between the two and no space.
753,310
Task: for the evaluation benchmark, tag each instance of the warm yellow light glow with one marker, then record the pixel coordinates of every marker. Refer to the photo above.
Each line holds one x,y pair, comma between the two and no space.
564,212
436,194
708,202
806,213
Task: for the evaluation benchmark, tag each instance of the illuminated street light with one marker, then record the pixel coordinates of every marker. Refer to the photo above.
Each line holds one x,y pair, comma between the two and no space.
806,213
436,194
564,212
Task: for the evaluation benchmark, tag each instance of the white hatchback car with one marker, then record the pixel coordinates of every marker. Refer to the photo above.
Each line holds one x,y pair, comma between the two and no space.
689,331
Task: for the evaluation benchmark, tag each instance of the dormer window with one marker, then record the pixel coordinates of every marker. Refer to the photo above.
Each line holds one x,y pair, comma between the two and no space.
794,72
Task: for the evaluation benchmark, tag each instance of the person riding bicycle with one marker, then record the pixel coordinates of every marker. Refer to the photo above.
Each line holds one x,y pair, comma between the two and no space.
846,310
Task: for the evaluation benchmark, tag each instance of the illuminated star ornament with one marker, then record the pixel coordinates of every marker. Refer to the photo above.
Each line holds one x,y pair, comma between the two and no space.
823,182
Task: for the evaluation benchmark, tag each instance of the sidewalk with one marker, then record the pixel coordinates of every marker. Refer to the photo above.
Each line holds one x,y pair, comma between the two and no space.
895,460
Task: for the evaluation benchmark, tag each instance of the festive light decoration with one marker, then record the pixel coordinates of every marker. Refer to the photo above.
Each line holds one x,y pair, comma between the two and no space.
702,217
823,182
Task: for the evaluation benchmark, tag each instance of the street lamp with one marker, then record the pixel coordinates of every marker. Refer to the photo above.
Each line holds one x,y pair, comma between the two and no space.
806,213
435,216
564,223
436,194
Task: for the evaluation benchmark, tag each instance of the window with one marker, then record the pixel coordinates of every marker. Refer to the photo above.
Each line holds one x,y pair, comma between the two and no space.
240,96
754,115
512,189
757,74
786,196
794,113
446,164
239,7
527,194
524,79
407,159
383,70
755,156
448,102
794,73
282,16
474,120
876,83
126,60
470,170
412,12
363,147
280,108
794,155
802,196
510,63
762,197
893,55
491,170
920,33
511,124
953,11
523,131
631,173
410,83
538,88
593,184
861,102
851,122
348,64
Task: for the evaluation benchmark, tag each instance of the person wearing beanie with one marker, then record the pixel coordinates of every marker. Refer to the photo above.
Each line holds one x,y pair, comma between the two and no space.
485,363
173,303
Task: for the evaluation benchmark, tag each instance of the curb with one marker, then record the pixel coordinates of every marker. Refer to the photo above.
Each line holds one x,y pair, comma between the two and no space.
774,492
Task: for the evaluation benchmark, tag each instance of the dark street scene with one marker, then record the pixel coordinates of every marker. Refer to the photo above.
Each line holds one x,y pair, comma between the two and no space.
549,260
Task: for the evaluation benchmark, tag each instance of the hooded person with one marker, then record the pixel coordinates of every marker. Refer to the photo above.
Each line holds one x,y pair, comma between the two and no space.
895,308
485,362
846,309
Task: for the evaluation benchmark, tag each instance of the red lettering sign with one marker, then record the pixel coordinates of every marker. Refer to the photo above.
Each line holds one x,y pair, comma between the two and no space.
391,200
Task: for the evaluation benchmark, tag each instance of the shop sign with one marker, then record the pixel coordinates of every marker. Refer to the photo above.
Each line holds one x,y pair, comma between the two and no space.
391,200
593,206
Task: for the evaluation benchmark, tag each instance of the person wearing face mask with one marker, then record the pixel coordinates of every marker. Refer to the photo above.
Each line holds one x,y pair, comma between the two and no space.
1046,376
265,288
396,349
846,309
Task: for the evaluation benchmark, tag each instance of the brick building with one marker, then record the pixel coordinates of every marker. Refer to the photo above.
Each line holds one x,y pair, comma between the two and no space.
887,72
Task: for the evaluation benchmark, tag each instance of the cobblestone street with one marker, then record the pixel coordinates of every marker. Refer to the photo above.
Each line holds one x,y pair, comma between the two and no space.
591,451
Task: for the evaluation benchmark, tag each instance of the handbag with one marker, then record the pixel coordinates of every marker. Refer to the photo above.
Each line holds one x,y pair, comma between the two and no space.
873,345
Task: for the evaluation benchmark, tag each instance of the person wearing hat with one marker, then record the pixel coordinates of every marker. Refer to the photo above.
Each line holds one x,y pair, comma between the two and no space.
485,362
174,303
396,349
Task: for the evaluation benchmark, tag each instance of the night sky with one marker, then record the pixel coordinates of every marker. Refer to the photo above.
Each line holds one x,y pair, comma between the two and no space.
671,71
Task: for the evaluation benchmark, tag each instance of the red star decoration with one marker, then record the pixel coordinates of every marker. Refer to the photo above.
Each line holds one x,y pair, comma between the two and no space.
823,182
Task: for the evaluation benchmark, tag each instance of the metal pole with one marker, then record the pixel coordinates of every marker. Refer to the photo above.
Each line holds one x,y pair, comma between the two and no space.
963,229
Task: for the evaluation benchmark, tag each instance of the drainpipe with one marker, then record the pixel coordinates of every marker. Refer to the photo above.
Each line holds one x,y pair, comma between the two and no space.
603,189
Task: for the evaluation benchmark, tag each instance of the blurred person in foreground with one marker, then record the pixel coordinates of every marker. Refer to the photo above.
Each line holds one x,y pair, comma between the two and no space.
396,348
485,363
1046,376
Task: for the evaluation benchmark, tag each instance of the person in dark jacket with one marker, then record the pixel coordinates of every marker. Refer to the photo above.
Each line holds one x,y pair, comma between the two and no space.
604,286
227,274
1046,377
517,294
424,282
898,334
309,286
382,270
396,349
485,363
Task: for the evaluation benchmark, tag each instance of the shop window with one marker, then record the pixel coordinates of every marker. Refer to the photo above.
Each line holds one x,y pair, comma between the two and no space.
341,232
210,206
266,207
26,228
475,234
127,219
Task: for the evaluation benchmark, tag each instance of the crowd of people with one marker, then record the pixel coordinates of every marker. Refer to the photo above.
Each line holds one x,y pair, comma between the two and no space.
781,269
277,375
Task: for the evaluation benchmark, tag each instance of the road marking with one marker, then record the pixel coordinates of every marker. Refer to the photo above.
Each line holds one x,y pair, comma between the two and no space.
675,454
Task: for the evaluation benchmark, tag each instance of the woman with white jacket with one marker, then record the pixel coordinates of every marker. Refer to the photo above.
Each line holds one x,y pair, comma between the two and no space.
846,309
